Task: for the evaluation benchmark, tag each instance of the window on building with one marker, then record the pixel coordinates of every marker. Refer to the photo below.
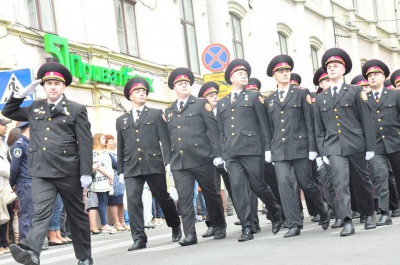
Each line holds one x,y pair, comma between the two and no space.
355,4
41,15
375,8
314,58
126,26
189,35
283,43
237,37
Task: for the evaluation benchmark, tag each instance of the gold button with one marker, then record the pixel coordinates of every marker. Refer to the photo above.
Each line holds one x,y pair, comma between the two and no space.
283,130
49,119
137,130
232,110
233,134
339,131
335,110
44,148
383,136
140,158
65,152
337,117
48,128
282,120
179,126
338,124
379,120
137,140
232,126
283,139
377,111
179,115
138,149
154,154
45,138
300,136
281,111
380,128
181,152
195,144
36,117
249,134
179,139
232,118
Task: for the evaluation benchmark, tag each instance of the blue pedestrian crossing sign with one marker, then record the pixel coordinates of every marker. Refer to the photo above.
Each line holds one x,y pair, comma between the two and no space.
14,81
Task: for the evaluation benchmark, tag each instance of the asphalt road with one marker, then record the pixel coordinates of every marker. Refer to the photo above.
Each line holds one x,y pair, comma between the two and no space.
313,246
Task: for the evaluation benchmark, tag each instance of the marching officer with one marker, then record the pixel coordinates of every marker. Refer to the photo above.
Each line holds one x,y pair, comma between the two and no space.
345,137
139,133
194,149
321,79
293,144
254,84
209,91
60,159
245,142
384,106
395,79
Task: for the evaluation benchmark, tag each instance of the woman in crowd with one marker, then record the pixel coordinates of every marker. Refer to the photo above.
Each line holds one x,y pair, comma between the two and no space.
4,180
103,179
115,201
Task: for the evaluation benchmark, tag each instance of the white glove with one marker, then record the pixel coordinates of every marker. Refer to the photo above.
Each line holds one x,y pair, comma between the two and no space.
268,156
369,155
312,155
319,161
28,90
168,168
326,160
86,180
121,178
218,161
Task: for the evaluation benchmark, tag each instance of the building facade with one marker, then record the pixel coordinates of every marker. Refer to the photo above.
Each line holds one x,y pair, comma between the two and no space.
105,42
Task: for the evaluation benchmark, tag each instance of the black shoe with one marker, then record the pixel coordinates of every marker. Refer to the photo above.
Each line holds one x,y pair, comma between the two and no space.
210,232
363,219
337,224
277,221
396,212
325,219
220,233
384,220
316,218
370,223
246,235
355,215
189,240
53,244
88,261
348,229
294,231
24,256
95,233
176,233
139,243
238,222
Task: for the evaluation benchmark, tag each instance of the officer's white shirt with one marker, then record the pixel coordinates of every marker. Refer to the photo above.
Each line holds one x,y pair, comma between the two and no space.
178,102
339,86
285,91
233,94
134,113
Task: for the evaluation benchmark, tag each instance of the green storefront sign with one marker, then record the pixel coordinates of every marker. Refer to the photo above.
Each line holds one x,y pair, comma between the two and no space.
58,48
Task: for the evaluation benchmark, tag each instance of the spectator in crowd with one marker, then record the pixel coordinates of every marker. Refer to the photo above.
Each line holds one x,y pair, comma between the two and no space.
4,180
54,235
115,201
103,179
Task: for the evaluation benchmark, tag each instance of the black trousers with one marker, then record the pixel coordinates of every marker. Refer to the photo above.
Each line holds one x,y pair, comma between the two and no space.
394,159
44,192
394,200
248,172
134,190
325,173
303,175
363,191
184,183
270,179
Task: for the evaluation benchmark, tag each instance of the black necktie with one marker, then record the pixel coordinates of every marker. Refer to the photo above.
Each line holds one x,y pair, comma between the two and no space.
234,97
137,115
281,99
334,92
377,97
181,105
51,106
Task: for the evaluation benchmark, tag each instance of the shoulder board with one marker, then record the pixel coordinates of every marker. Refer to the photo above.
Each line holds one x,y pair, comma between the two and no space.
271,93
